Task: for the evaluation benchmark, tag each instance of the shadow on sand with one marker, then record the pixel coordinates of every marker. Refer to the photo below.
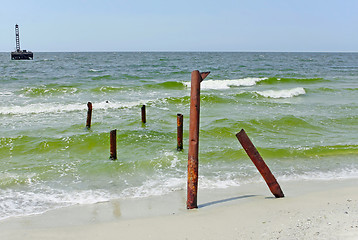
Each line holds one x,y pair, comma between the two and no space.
224,200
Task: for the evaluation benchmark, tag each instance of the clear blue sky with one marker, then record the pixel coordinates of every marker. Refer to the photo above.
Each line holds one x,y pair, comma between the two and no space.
181,25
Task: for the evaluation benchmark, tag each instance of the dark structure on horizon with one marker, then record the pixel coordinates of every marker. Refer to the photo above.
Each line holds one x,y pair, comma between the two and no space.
20,54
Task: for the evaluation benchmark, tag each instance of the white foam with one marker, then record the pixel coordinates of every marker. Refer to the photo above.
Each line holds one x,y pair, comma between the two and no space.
226,84
40,199
6,93
44,90
285,93
212,183
58,108
155,187
21,203
346,173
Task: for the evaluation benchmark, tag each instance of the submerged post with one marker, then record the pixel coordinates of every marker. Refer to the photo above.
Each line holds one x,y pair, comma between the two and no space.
193,162
179,132
144,117
113,144
89,115
260,164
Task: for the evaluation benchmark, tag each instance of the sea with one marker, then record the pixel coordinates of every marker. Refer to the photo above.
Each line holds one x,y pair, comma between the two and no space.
299,109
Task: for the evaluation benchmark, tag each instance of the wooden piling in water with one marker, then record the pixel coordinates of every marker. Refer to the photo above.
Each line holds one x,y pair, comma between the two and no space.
144,115
260,164
179,132
89,115
193,152
113,144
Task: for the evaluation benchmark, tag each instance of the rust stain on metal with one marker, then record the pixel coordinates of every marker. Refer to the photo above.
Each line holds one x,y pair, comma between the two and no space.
204,75
179,132
260,164
192,184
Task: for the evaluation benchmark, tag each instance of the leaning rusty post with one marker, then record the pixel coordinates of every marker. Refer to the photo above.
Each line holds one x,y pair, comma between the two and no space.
179,132
260,164
193,152
89,115
144,117
113,144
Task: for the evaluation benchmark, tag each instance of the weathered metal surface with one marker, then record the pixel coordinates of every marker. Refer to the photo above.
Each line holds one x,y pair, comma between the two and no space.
193,161
204,75
89,115
192,194
113,144
180,131
260,164
144,115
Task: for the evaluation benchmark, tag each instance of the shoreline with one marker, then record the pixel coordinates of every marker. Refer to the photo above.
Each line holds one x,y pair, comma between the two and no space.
311,210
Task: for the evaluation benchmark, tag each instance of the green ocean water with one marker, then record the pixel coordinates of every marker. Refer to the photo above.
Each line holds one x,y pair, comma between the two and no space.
299,109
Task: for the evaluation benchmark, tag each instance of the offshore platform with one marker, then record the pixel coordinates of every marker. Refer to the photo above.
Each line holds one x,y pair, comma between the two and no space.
20,54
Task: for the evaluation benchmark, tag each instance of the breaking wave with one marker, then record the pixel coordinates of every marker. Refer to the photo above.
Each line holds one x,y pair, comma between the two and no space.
57,107
227,84
285,93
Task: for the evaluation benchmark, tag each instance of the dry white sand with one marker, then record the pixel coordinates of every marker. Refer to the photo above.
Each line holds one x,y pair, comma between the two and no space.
310,210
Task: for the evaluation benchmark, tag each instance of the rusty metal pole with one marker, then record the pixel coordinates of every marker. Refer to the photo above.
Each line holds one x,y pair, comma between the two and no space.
260,164
179,132
113,144
193,152
89,115
144,117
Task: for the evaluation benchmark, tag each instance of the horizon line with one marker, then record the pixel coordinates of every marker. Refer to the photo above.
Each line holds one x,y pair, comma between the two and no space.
186,51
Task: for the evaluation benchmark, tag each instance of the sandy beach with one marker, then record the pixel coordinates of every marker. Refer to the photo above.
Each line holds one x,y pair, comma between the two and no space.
310,210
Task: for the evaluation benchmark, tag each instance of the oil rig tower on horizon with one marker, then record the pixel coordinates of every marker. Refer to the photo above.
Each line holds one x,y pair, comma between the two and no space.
20,54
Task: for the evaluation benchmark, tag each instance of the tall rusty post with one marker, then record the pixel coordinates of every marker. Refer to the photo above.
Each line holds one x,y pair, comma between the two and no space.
260,164
179,132
193,152
113,144
89,115
144,115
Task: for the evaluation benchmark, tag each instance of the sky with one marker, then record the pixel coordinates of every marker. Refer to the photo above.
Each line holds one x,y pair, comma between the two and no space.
182,25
